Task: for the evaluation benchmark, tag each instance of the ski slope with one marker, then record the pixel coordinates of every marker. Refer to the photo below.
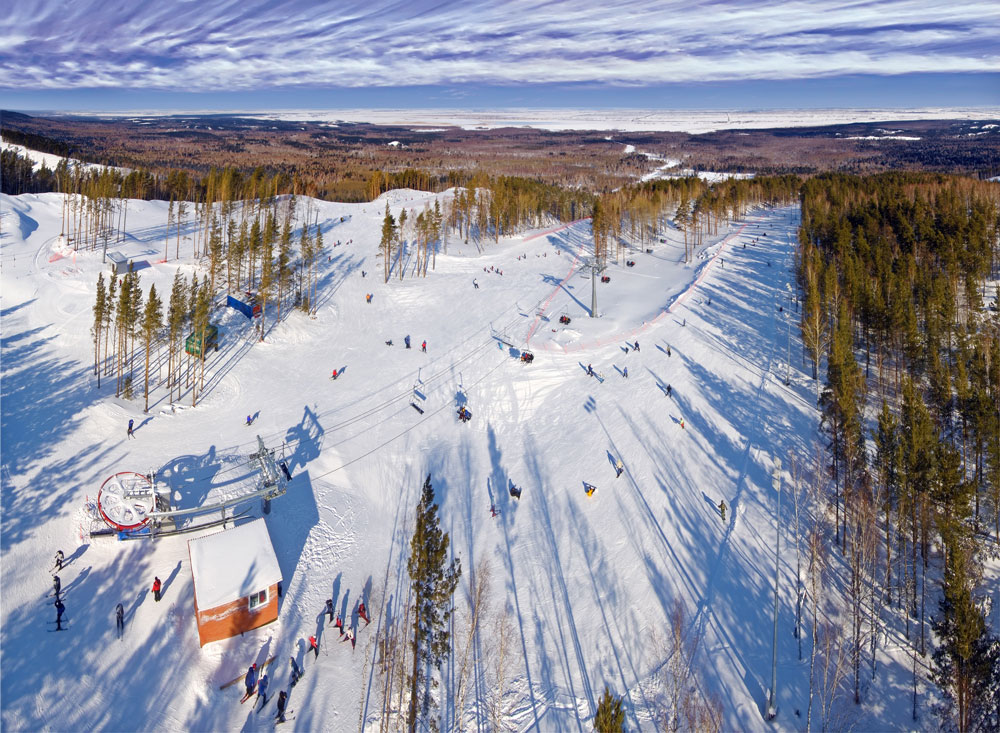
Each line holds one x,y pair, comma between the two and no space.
588,582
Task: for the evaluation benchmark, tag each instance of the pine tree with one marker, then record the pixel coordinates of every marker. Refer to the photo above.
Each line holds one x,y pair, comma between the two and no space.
432,584
610,718
100,306
152,321
176,315
388,239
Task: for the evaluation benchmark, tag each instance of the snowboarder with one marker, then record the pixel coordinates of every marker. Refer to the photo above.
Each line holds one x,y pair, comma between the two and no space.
423,346
722,510
475,283
619,467
56,585
131,425
296,672
669,390
406,340
282,699
314,645
363,613
250,681
590,489
120,619
156,589
262,690
389,342
329,609
59,559
334,375
625,372
60,608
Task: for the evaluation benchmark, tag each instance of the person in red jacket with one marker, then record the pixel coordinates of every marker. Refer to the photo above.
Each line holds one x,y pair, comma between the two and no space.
156,589
314,645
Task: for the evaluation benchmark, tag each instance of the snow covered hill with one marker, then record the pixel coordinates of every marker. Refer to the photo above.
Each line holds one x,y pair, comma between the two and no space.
587,584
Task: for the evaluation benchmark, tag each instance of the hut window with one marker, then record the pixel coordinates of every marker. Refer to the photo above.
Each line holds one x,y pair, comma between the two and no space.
258,599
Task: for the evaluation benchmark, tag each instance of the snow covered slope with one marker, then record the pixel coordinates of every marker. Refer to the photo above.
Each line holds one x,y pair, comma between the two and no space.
588,581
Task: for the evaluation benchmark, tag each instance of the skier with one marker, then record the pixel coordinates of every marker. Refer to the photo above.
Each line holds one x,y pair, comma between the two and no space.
60,608
262,690
475,283
619,467
314,645
682,423
406,340
249,420
590,370
625,372
423,346
636,346
493,510
282,699
250,681
368,297
591,489
59,559
668,349
296,672
156,589
669,390
131,424
56,585
120,619
339,625
349,636
363,613
685,322
329,609
335,375
722,510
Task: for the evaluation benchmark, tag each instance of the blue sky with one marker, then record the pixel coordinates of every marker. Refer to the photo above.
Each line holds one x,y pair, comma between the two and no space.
247,54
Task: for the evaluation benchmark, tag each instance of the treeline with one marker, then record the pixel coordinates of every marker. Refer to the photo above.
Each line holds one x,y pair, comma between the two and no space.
894,271
645,210
247,248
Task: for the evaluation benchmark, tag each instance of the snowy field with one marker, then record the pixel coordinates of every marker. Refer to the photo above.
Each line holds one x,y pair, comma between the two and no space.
628,120
588,582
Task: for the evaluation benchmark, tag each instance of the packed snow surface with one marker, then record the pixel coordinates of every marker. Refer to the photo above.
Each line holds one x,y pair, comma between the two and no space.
588,582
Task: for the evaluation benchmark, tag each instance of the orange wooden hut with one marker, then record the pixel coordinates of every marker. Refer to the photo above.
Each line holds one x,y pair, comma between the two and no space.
236,577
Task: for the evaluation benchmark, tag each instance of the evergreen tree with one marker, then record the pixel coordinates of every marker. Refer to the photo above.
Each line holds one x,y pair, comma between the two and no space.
100,306
432,582
152,321
388,240
610,717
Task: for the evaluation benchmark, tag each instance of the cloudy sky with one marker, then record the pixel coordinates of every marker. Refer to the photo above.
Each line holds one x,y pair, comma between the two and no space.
232,54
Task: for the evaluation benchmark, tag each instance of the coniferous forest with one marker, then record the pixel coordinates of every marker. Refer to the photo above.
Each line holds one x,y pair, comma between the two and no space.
898,274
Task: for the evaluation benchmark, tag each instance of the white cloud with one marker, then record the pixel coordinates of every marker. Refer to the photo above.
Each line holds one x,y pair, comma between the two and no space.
254,44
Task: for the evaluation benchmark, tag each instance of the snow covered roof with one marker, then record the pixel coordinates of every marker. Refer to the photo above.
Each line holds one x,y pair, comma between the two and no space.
232,564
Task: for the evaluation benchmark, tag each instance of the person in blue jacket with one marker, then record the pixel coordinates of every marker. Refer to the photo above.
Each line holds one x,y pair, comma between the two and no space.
262,690
250,681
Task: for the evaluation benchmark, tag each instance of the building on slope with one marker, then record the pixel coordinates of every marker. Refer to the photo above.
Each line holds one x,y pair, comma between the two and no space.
236,578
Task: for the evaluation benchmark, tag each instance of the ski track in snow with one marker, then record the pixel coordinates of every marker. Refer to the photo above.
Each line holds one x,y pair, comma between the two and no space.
588,581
